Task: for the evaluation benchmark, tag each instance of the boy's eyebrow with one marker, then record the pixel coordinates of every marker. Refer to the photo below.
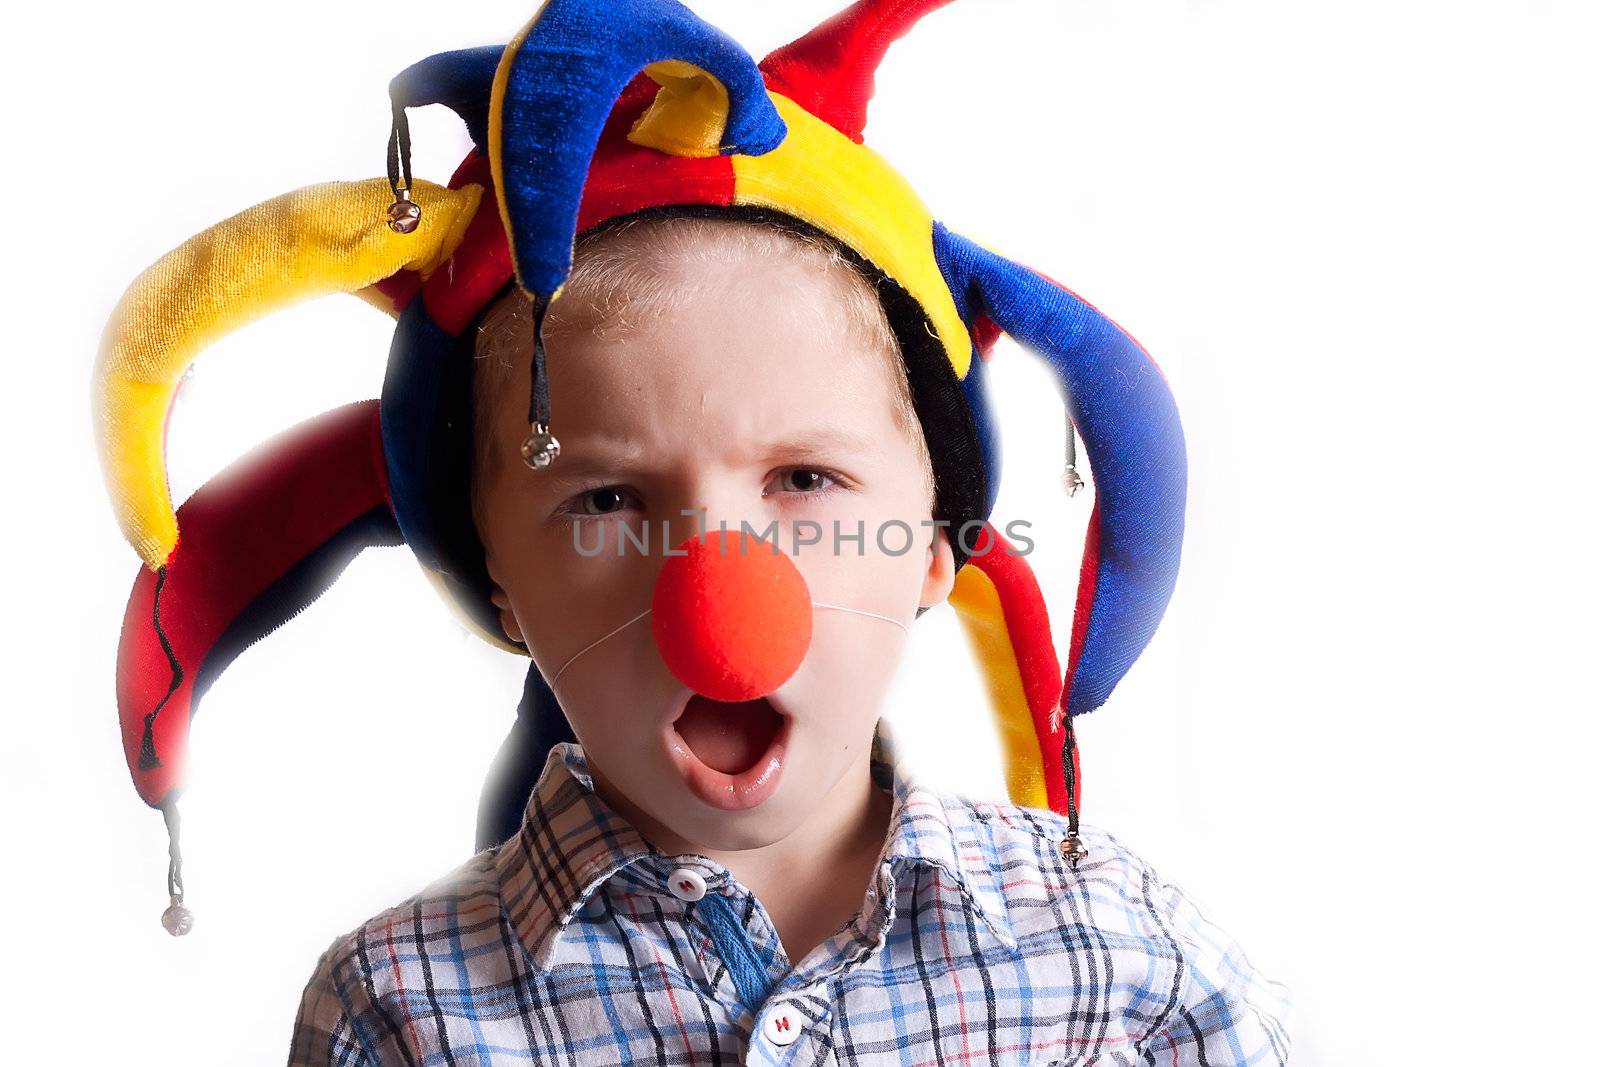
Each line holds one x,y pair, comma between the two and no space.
823,439
593,454
587,456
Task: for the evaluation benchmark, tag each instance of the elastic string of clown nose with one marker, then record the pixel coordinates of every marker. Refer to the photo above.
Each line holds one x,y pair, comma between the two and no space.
646,611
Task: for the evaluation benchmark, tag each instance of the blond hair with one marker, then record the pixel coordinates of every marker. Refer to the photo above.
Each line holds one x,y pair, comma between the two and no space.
610,278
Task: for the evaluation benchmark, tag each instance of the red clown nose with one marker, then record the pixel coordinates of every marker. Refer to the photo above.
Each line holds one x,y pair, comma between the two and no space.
731,615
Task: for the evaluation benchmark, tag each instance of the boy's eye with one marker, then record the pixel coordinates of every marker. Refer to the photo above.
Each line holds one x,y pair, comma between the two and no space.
807,480
610,499
604,500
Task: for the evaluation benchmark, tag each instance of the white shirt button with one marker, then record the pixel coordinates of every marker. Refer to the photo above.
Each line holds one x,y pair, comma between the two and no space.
782,1025
686,883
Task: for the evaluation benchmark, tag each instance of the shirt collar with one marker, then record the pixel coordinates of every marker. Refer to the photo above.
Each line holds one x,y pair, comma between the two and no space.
934,828
571,841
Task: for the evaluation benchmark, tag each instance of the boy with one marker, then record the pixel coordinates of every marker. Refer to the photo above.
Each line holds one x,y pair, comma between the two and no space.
712,365
718,868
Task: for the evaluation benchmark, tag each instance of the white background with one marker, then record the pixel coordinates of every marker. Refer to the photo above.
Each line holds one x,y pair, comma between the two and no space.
1359,238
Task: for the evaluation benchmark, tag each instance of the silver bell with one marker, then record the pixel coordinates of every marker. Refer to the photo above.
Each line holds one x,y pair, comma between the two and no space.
541,448
177,919
1071,480
1072,850
405,215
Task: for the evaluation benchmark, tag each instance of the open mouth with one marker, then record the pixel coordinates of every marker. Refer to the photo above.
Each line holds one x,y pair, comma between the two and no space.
730,753
728,737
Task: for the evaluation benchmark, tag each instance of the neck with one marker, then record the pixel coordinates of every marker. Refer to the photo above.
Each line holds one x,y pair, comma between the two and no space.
814,880
841,835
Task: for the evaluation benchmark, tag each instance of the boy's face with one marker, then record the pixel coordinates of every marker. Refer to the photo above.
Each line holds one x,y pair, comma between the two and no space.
754,402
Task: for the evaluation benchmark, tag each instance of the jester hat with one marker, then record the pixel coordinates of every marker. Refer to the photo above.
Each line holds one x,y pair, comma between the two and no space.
599,110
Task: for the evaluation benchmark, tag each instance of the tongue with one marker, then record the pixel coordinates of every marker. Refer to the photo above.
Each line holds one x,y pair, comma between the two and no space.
728,737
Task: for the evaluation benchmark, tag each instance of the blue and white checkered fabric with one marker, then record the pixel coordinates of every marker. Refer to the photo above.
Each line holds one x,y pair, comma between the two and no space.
976,944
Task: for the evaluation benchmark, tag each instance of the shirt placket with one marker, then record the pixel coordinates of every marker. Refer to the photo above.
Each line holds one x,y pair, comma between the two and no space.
737,963
800,1001
742,965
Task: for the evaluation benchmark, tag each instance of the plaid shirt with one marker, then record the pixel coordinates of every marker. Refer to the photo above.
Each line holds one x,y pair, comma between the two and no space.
976,944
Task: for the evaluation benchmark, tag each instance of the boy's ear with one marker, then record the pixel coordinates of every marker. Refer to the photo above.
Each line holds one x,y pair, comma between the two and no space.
497,595
941,576
508,619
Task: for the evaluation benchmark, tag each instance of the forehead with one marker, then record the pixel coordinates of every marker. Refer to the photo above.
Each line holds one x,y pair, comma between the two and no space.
729,352
652,266
723,327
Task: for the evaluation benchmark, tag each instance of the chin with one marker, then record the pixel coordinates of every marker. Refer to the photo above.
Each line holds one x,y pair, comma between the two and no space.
737,831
